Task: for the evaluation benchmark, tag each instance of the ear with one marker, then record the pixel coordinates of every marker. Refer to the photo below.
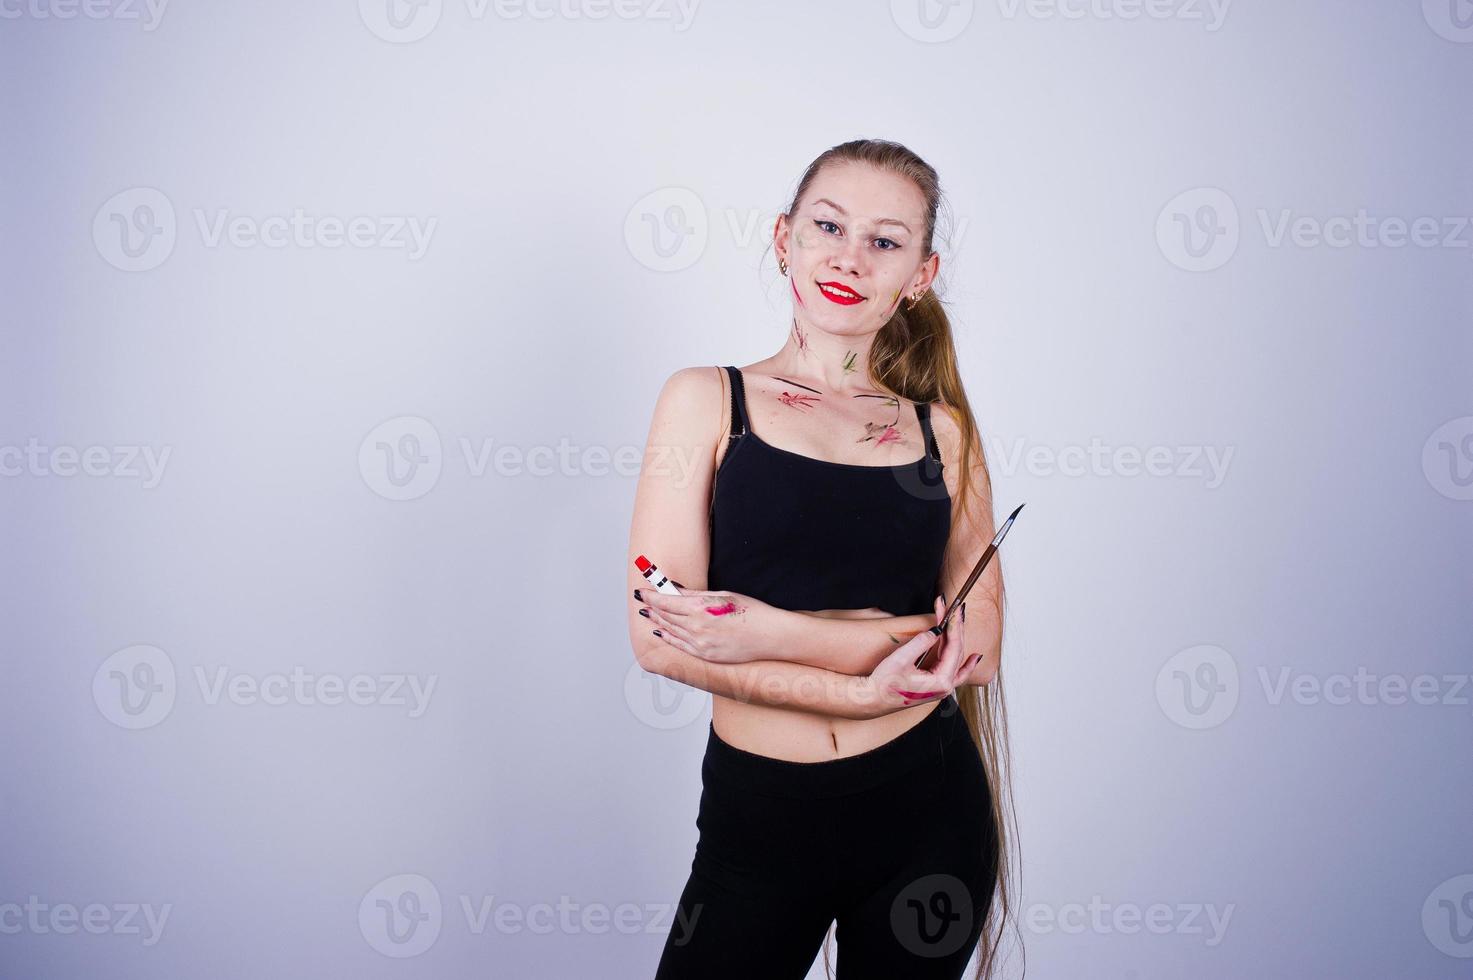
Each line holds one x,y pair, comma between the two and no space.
927,274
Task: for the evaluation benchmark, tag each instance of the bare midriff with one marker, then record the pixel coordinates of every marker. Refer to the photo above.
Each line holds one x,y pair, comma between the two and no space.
799,736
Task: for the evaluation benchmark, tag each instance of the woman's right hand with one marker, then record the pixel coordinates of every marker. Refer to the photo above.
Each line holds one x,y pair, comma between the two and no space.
898,683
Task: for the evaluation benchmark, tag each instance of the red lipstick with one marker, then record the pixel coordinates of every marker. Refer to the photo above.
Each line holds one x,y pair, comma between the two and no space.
840,294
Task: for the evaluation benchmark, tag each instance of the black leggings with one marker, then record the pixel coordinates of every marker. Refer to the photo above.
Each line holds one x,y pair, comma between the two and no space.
896,844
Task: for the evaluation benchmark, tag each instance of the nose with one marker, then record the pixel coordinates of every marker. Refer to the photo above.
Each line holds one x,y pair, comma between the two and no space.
848,258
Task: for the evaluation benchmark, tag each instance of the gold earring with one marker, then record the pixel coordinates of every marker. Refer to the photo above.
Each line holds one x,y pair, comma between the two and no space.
783,266
913,299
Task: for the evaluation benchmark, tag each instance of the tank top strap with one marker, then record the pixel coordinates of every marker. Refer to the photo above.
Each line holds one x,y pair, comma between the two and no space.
923,412
738,404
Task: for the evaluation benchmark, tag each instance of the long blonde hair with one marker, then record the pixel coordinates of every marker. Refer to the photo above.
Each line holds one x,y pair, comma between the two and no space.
914,356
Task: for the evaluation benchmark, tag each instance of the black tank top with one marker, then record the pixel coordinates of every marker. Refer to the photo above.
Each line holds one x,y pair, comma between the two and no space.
805,533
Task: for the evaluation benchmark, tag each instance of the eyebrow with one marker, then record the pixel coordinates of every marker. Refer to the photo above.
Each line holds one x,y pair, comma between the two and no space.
880,221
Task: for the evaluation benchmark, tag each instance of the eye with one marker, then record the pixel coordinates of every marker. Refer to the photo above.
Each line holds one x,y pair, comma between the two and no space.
825,224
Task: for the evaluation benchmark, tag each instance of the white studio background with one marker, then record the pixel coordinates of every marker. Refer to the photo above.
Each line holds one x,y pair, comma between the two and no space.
281,280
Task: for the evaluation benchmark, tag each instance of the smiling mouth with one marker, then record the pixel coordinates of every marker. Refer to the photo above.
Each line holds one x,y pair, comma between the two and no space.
839,294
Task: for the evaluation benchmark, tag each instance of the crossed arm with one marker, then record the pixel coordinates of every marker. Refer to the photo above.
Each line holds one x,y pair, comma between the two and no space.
843,641
854,640
825,656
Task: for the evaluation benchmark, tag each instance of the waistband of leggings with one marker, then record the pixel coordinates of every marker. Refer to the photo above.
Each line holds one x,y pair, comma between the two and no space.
921,743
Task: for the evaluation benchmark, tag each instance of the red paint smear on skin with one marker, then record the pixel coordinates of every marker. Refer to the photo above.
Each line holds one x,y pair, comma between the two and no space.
917,694
730,607
796,296
797,401
889,435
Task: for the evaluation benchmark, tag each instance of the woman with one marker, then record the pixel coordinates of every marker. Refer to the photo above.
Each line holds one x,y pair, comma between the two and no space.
816,502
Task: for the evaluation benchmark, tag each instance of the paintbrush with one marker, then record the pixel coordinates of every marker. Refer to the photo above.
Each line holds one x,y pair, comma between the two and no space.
956,602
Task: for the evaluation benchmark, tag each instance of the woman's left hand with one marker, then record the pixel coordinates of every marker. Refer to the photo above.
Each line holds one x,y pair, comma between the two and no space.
720,627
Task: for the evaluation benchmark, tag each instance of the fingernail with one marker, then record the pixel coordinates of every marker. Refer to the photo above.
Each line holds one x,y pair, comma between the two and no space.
645,613
657,632
636,596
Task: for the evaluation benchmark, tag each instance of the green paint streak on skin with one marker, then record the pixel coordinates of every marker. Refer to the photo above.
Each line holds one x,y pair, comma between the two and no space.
892,638
849,362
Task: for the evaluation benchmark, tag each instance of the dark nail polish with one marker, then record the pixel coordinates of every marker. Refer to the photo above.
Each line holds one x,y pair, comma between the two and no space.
636,596
657,632
645,613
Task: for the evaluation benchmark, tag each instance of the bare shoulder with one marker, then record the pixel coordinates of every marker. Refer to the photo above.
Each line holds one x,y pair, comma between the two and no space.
690,401
946,424
692,389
